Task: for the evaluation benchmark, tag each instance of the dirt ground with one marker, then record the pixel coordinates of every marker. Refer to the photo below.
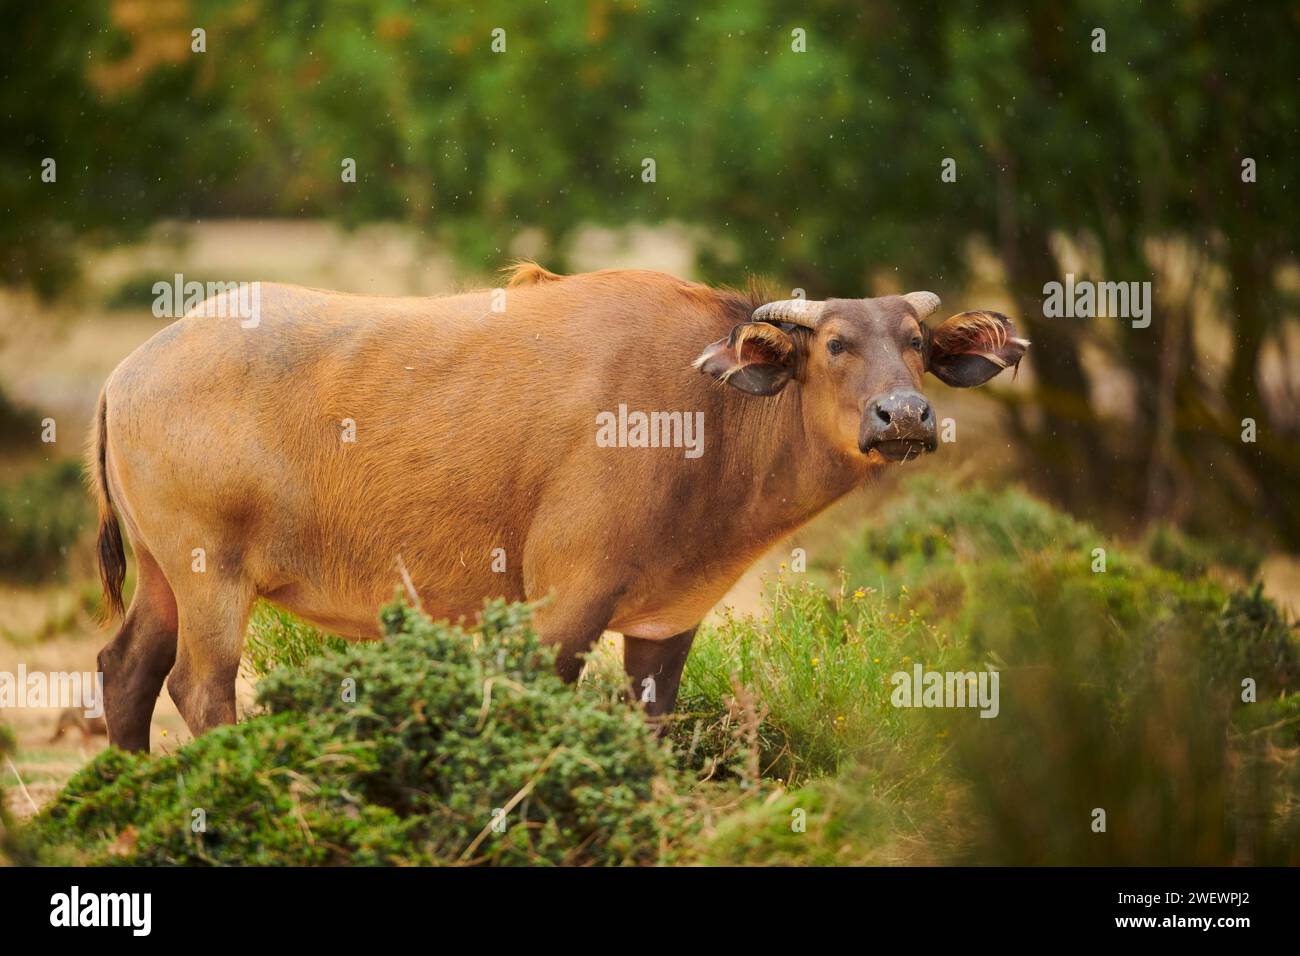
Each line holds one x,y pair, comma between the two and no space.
55,358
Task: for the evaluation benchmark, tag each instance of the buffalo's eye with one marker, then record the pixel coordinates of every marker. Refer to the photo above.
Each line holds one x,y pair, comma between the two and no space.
835,346
918,343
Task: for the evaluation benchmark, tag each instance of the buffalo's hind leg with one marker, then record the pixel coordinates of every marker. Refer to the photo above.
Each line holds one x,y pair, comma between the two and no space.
214,610
655,669
136,661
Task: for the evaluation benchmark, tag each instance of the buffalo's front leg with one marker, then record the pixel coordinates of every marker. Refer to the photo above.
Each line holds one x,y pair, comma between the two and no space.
655,669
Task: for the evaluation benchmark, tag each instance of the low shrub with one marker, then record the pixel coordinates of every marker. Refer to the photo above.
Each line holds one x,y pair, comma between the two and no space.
876,813
1121,690
801,690
404,751
1176,551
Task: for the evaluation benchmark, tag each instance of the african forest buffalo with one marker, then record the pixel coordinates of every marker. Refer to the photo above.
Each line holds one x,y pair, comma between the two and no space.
528,442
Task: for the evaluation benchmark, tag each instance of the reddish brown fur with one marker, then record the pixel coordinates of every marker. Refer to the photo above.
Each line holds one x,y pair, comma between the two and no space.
474,431
529,273
982,333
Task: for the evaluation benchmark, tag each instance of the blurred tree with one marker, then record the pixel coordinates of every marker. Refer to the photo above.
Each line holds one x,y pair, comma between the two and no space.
119,111
1130,148
806,145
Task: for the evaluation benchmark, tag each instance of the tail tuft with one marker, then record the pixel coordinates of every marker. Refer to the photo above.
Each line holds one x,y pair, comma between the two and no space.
112,556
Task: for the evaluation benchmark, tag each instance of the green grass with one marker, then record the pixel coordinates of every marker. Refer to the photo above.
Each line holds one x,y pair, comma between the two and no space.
276,638
817,664
1120,691
39,757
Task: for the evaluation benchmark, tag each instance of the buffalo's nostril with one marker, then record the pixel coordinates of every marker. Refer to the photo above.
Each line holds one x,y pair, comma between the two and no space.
898,425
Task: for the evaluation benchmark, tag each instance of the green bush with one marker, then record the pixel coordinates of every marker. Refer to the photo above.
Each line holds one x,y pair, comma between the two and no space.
1119,690
1252,639
800,691
403,751
934,520
876,813
41,516
1175,551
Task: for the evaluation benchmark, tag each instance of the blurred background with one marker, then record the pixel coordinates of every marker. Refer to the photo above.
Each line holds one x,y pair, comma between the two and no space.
804,146
820,170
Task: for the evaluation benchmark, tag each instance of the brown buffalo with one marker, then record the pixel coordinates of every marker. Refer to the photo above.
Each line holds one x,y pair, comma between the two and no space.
555,439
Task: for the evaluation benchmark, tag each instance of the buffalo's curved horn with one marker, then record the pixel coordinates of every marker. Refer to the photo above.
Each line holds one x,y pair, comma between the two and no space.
804,312
922,302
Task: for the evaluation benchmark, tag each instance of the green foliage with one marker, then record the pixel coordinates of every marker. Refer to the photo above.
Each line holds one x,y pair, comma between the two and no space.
1119,690
122,110
720,99
1254,639
802,690
819,168
875,814
41,516
935,524
278,639
135,292
448,728
1170,548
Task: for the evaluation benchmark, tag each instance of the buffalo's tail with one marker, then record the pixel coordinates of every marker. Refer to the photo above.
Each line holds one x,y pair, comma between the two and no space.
112,556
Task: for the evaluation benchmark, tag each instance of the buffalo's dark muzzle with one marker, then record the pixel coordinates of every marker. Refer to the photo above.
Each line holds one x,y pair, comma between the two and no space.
899,425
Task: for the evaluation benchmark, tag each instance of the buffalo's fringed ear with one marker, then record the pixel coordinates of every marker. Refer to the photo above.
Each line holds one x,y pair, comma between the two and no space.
970,348
756,358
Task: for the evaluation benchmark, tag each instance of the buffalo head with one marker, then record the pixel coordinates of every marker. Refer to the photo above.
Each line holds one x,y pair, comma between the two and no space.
860,364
